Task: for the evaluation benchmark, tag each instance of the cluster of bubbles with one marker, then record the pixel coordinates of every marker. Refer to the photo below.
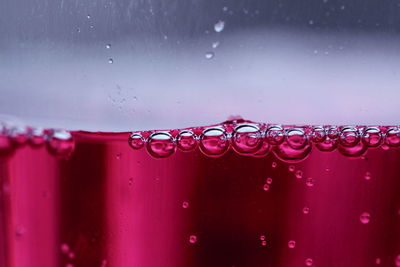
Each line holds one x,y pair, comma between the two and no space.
58,142
289,143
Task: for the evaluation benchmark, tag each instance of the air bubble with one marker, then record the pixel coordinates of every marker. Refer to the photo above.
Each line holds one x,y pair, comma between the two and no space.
306,210
185,204
318,134
331,141
289,154
372,137
61,143
108,46
214,142
19,135
193,239
274,165
291,168
36,137
393,137
269,180
161,145
262,237
215,44
309,262
71,255
88,16
219,26
246,139
349,137
367,176
299,174
210,55
136,141
64,248
310,182
266,187
110,61
378,261
296,138
292,244
365,217
275,135
186,140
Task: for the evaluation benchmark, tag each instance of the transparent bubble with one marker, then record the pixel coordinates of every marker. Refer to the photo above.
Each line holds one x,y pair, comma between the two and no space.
36,137
269,180
246,139
291,244
289,154
71,255
349,136
393,137
136,141
215,44
397,261
193,239
88,16
61,143
219,26
263,243
275,135
262,237
299,174
365,217
214,142
110,61
291,168
19,135
296,138
378,261
185,204
367,176
64,248
318,134
331,141
266,187
108,46
372,137
209,55
264,149
161,145
274,164
186,140
310,182
309,262
306,210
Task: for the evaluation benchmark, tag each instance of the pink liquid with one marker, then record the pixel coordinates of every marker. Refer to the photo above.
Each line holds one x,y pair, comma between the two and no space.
236,194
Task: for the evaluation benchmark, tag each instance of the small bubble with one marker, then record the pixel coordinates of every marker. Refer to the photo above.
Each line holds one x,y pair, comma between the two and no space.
78,30
110,61
193,239
71,255
64,248
185,204
397,261
118,156
299,174
210,55
69,265
136,141
309,262
263,243
262,237
311,22
310,182
291,244
215,44
225,8
91,26
328,169
130,181
378,261
19,231
367,176
266,187
306,210
269,180
291,168
274,164
342,7
365,217
89,16
103,263
108,46
219,26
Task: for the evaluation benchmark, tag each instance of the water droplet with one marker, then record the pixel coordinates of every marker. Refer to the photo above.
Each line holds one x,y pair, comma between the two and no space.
367,176
193,239
110,61
266,187
365,217
246,139
269,180
136,141
210,55
108,46
215,44
299,174
161,145
310,182
306,210
274,165
219,26
186,140
291,244
291,168
185,204
214,142
309,262
64,248
372,137
378,261
61,143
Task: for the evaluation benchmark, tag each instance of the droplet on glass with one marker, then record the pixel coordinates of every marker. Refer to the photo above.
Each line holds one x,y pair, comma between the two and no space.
309,262
291,244
193,239
219,26
365,217
210,55
185,204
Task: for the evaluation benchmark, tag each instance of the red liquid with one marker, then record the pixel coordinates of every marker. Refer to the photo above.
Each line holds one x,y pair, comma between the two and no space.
94,201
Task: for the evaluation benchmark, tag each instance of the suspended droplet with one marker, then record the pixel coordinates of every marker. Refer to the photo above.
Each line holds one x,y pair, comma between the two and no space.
214,142
136,141
161,145
309,262
365,217
210,55
219,26
291,244
186,140
185,204
193,239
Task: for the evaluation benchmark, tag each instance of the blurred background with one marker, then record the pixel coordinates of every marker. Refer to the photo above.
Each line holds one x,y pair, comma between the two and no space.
161,64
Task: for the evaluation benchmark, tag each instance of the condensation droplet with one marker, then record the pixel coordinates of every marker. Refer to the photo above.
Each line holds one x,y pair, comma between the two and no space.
108,46
291,168
365,217
266,187
367,176
309,262
193,239
299,174
274,164
269,180
306,210
110,61
310,182
210,55
185,204
219,26
291,244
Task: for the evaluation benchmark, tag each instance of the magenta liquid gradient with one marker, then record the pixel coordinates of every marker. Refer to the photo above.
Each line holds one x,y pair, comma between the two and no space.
239,194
